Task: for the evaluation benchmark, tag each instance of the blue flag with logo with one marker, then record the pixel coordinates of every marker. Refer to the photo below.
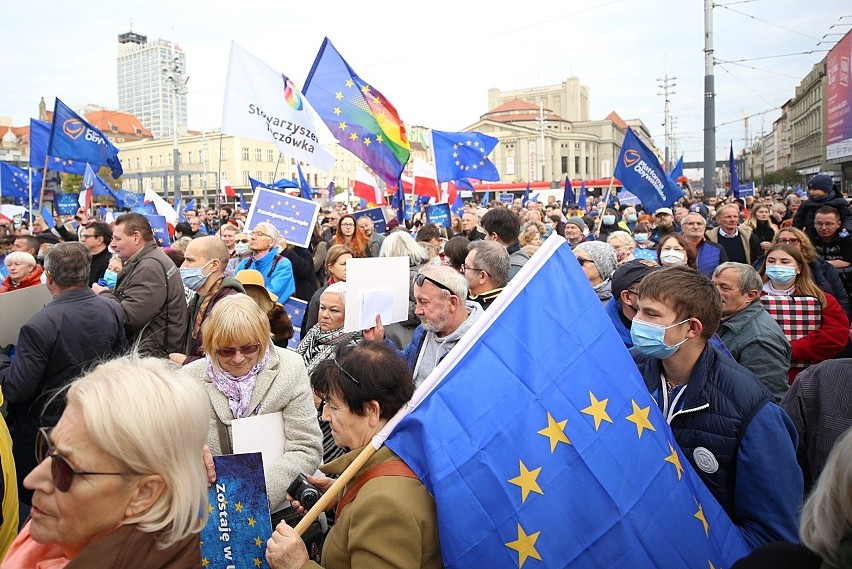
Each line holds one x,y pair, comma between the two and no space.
303,184
14,182
439,214
129,200
735,178
293,217
73,138
463,155
557,456
66,204
641,174
39,136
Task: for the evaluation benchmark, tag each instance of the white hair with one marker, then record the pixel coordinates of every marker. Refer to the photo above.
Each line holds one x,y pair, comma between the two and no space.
338,288
270,230
20,257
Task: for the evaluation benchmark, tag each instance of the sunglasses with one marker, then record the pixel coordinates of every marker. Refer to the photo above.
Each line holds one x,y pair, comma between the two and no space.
421,278
61,471
241,240
244,350
584,261
344,372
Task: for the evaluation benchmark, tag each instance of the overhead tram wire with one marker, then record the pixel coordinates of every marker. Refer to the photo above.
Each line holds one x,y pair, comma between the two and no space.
721,63
727,7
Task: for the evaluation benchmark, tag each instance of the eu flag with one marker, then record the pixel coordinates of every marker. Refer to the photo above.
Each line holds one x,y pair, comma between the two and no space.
14,182
243,204
73,138
547,450
735,178
362,120
39,136
641,174
567,193
98,185
581,196
677,171
463,155
303,183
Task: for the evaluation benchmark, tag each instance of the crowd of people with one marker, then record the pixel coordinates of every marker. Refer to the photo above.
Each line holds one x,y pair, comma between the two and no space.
736,313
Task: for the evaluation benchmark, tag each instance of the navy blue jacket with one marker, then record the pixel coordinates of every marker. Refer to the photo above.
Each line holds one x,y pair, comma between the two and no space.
710,256
741,444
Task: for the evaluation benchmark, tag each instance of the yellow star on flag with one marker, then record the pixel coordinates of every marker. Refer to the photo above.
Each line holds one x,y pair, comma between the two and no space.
256,562
597,410
258,542
710,563
349,83
640,417
353,136
338,95
337,110
379,138
341,125
252,521
367,141
205,562
525,546
699,515
527,481
365,89
238,506
555,431
209,508
675,460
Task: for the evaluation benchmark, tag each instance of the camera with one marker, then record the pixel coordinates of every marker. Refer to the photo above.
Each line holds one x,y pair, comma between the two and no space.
303,491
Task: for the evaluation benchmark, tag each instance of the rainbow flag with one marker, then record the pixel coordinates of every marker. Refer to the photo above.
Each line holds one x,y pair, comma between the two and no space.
361,118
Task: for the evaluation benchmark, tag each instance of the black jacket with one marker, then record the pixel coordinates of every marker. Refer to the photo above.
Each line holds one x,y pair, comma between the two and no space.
806,214
99,265
74,331
303,273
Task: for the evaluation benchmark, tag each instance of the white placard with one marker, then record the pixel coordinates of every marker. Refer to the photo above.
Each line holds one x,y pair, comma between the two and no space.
260,433
16,309
365,278
376,302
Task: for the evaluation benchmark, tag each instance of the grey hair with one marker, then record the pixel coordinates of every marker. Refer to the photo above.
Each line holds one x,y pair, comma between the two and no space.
449,277
270,230
338,288
827,513
492,258
69,264
748,278
401,244
20,257
622,237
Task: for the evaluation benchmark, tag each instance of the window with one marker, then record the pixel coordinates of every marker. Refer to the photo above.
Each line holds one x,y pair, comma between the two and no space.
221,153
189,157
151,161
245,153
270,156
257,154
271,177
246,174
161,160
258,175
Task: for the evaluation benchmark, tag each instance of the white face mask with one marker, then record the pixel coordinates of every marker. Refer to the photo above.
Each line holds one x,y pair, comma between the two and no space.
672,257
241,248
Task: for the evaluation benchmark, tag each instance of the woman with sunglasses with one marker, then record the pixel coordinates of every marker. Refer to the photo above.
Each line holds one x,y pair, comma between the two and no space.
392,522
121,481
599,261
246,375
786,273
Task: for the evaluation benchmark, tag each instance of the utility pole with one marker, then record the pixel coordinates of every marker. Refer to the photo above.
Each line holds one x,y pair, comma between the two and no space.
541,133
666,84
174,75
709,104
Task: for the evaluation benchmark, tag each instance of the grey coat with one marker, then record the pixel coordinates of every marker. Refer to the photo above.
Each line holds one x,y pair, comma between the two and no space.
758,344
282,387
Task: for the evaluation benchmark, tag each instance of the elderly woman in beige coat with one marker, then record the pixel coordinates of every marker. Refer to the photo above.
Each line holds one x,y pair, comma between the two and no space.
246,375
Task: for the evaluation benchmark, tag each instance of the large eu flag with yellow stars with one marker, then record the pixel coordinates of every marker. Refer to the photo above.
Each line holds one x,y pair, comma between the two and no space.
362,120
543,448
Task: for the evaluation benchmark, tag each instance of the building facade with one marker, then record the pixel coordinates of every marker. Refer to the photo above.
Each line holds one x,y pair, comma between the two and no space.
807,123
151,84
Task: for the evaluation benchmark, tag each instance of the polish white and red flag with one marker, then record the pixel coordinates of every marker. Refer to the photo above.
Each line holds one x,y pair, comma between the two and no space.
366,188
425,179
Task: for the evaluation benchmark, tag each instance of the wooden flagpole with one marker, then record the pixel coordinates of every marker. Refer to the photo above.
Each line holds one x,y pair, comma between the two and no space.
602,208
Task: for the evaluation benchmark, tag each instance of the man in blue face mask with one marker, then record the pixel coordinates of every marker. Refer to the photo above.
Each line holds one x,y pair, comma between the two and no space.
203,270
741,444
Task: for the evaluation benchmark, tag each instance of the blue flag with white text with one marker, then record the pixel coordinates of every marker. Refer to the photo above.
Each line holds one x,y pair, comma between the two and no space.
557,456
640,173
39,137
73,138
464,154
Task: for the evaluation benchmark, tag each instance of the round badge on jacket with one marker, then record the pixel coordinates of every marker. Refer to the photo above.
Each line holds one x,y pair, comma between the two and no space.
705,460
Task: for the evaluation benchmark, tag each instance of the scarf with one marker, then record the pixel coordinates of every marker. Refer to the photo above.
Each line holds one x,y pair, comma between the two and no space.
318,345
238,390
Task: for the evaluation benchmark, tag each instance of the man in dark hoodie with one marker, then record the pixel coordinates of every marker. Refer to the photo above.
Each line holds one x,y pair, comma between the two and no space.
821,193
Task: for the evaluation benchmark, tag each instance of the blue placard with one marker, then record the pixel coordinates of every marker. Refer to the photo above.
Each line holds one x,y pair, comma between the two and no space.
507,198
161,230
66,204
626,198
377,214
239,523
293,217
296,309
439,214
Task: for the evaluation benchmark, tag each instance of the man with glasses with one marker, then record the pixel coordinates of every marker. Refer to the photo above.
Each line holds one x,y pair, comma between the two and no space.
486,269
439,294
709,255
97,236
276,268
834,244
73,331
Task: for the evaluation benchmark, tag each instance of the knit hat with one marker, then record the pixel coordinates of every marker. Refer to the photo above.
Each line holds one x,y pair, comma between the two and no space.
603,254
631,272
821,182
578,221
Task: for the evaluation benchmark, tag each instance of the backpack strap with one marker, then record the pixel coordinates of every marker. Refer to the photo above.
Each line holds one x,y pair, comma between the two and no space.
389,468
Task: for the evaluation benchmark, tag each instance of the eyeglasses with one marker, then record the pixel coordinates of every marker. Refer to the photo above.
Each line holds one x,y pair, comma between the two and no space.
825,223
344,372
241,240
790,241
260,234
421,278
584,261
84,236
61,472
244,350
465,268
347,225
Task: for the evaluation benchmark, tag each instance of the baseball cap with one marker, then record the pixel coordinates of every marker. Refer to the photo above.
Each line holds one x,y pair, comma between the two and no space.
664,211
631,272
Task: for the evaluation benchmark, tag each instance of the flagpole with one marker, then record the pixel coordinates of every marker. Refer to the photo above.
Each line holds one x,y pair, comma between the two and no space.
41,191
602,207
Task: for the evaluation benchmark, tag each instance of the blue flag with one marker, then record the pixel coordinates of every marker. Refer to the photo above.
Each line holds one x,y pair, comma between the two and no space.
558,453
568,193
641,174
439,214
464,184
73,138
458,205
677,171
129,200
47,217
735,178
296,309
527,194
160,228
243,203
463,155
486,199
39,136
14,182
66,204
98,185
190,206
255,184
283,184
581,196
303,184
377,215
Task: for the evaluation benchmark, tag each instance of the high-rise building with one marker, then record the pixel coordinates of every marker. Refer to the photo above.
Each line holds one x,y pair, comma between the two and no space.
150,76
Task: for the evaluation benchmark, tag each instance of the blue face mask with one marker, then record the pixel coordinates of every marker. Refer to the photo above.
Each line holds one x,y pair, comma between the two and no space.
194,278
110,279
631,217
640,237
609,220
781,274
649,339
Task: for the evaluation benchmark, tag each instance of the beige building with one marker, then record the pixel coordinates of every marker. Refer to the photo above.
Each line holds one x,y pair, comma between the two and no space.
807,123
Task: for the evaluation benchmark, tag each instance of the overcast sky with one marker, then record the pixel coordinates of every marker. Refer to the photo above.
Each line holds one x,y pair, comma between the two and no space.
435,61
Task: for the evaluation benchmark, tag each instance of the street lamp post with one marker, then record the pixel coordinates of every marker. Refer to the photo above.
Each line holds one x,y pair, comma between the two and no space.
175,75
